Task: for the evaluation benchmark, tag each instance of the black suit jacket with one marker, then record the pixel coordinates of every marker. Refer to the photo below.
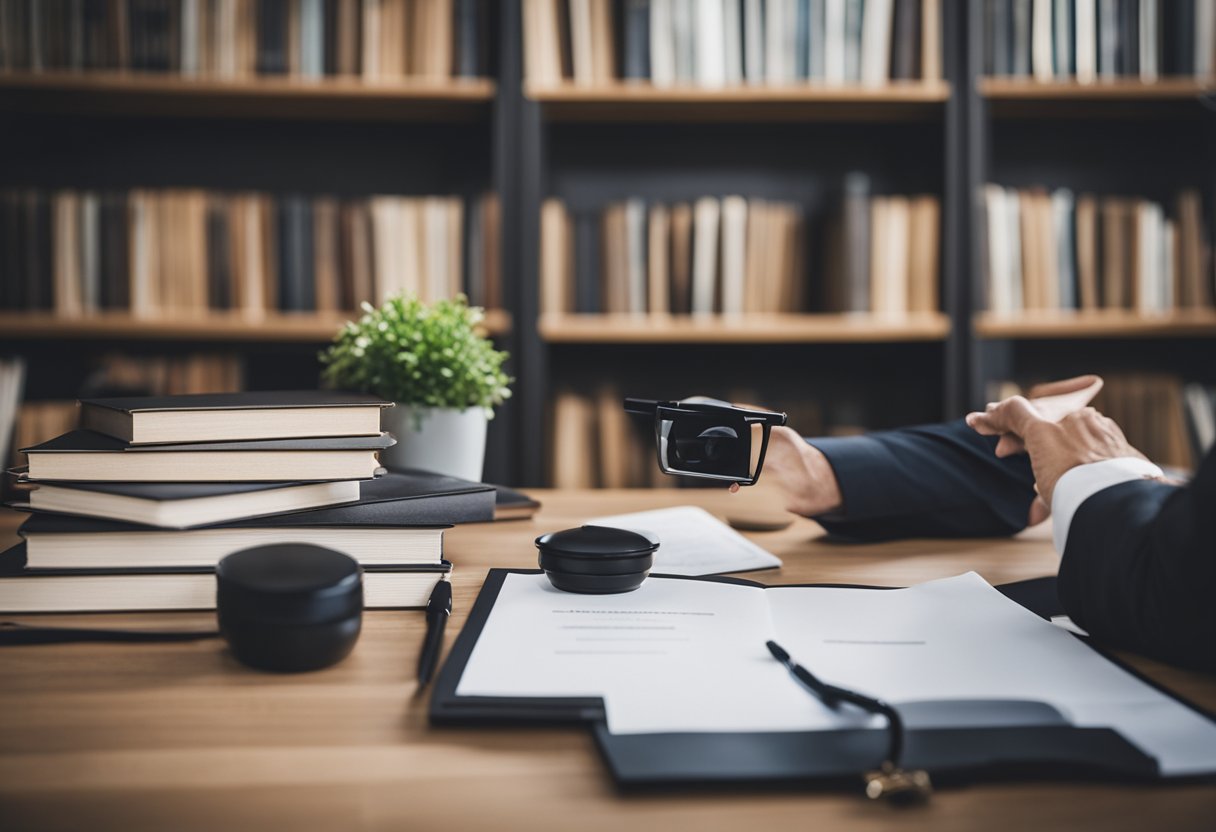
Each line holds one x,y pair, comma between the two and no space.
1139,567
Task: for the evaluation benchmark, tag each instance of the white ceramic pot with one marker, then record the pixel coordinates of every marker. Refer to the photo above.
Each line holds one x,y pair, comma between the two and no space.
443,440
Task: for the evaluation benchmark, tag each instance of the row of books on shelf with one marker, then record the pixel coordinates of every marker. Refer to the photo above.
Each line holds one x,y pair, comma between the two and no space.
374,39
1057,250
718,43
1089,40
734,255
152,252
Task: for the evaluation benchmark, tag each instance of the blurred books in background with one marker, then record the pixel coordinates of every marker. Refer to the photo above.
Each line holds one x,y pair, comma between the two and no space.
734,255
151,252
714,44
230,39
1056,250
1087,40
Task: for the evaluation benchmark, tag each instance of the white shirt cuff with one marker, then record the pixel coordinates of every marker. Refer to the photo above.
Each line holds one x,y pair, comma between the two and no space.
1080,483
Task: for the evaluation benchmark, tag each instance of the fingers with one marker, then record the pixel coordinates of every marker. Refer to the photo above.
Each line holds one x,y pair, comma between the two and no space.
1013,415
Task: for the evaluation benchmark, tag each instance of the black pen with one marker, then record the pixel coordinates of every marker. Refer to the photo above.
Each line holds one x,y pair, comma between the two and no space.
438,608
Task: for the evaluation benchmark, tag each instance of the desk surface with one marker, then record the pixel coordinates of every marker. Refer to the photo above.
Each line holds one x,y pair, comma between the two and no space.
179,736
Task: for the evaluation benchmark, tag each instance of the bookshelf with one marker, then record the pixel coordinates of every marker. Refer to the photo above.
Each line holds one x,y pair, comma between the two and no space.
639,101
417,125
1135,142
589,146
340,98
299,328
744,329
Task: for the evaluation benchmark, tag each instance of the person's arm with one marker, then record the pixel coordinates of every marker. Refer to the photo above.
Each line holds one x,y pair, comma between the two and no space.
1139,564
930,481
1138,567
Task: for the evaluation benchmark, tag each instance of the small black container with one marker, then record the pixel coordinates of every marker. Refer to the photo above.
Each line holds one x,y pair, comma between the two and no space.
597,560
289,607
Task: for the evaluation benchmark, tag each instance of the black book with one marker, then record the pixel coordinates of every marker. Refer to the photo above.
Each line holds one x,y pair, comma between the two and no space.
215,417
636,61
22,589
83,455
587,262
219,257
12,281
905,40
1129,37
1020,53
17,47
272,37
40,257
182,505
468,49
115,252
297,286
1178,54
329,37
1002,36
95,36
510,504
398,498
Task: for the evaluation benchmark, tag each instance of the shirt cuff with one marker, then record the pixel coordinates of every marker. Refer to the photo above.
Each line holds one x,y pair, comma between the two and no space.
1080,483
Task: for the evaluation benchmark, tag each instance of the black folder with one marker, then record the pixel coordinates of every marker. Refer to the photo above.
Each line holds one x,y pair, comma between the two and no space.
1037,742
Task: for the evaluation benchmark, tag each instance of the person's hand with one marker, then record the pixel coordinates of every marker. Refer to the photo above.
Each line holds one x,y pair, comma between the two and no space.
1054,400
1055,447
802,472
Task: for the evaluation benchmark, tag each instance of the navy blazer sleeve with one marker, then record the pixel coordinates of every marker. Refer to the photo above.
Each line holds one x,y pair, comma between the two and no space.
1139,568
929,481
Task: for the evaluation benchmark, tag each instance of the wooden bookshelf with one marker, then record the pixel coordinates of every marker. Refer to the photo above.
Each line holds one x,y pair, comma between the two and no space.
641,101
1106,323
280,327
746,329
1123,96
345,98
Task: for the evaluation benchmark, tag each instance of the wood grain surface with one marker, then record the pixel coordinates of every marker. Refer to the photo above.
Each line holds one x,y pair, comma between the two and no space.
181,737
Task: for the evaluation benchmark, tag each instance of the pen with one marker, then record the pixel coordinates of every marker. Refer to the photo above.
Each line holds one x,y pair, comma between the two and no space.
438,608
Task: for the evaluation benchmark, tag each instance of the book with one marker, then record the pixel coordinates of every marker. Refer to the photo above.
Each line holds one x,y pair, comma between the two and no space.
86,455
62,542
184,505
193,588
223,417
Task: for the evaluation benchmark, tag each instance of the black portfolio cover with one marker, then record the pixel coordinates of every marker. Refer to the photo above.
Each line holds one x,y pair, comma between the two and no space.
1037,742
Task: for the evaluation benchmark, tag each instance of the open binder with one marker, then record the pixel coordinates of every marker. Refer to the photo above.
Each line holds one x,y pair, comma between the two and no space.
1034,741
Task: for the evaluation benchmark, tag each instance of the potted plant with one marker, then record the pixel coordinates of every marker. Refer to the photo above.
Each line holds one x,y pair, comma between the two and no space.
441,370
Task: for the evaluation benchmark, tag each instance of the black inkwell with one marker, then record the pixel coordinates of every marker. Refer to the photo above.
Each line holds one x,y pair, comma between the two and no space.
289,607
597,560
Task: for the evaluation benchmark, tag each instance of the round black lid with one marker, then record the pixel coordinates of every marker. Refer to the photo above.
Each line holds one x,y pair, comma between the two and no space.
290,583
598,542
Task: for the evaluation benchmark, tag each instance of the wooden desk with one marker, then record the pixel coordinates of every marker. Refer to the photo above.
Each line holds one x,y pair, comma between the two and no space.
180,737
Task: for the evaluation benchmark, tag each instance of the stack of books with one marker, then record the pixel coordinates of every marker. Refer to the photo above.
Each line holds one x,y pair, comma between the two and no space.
133,511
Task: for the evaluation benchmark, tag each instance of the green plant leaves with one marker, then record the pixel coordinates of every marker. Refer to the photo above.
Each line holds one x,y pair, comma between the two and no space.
414,353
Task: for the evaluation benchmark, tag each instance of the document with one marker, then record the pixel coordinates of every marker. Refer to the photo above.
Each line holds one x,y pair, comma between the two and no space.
693,542
689,656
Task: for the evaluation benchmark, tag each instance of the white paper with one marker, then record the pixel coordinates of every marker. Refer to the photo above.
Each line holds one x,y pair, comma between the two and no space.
690,656
693,542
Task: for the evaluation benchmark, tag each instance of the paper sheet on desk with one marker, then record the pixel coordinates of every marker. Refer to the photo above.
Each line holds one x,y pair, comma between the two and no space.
694,542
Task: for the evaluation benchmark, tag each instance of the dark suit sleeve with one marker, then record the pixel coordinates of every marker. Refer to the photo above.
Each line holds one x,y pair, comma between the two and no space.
930,481
1139,568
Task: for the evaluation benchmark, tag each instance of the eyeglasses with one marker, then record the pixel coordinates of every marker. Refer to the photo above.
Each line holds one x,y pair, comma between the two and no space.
890,781
709,439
